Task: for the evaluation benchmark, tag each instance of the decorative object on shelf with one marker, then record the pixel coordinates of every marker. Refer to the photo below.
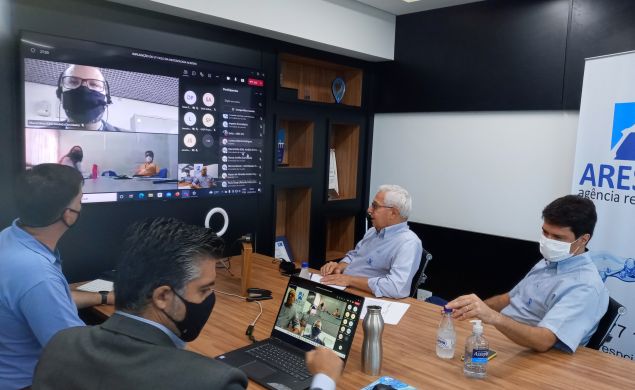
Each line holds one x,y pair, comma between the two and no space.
334,188
282,249
338,87
282,141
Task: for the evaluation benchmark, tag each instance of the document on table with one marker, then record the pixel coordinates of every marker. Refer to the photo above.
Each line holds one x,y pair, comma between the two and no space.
96,286
391,311
318,277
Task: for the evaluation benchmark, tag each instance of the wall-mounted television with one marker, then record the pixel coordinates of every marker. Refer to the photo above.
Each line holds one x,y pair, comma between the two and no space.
141,125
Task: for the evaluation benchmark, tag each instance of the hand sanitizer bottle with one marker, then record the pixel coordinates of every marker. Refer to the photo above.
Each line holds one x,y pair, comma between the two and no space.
476,350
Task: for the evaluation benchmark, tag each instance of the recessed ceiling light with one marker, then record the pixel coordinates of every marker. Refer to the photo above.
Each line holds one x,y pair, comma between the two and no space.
410,1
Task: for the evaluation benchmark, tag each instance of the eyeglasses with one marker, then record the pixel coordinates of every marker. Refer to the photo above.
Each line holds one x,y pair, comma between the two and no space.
375,206
73,82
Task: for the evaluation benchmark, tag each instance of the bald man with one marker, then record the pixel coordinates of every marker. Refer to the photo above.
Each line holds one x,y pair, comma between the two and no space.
84,94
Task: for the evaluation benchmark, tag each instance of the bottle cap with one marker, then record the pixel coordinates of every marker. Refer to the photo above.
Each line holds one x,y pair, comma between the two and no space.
305,264
447,310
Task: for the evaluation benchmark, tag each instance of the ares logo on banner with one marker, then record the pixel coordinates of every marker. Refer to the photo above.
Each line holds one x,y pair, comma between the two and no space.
604,171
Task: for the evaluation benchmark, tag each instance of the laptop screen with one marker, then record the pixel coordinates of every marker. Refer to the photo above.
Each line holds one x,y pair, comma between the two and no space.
313,314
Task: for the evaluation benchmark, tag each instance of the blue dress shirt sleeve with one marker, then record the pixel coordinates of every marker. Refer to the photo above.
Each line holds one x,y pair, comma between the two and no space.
48,308
580,302
396,284
322,382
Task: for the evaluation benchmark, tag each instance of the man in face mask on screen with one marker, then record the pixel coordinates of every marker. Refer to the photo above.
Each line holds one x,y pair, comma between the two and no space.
84,94
561,300
164,289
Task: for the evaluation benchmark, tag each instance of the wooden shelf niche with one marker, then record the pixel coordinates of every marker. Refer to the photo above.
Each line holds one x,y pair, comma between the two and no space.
340,233
298,144
293,214
344,139
313,78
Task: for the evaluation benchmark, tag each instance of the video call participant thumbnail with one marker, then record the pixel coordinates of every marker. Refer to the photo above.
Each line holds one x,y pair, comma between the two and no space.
84,94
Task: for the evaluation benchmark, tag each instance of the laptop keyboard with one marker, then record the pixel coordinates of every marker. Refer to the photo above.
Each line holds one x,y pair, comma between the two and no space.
283,360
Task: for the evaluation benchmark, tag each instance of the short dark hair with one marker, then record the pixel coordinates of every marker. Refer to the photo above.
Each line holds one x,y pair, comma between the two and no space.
161,252
150,153
572,211
44,192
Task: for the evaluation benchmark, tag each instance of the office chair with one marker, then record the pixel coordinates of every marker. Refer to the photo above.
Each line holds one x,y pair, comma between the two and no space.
608,321
420,276
163,173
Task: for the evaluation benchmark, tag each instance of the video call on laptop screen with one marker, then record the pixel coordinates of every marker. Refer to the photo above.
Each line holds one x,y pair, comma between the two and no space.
319,317
140,125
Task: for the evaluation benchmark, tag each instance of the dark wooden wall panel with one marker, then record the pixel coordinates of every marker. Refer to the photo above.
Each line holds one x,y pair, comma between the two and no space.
597,28
491,55
467,262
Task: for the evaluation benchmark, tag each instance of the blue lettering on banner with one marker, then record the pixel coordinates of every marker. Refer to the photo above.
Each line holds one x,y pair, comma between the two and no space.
608,176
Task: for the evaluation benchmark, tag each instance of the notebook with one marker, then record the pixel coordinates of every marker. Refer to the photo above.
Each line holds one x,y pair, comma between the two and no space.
310,315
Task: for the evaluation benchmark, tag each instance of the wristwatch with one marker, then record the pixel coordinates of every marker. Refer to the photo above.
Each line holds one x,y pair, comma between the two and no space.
104,297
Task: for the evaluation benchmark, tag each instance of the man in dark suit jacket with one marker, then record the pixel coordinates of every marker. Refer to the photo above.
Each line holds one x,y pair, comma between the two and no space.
163,296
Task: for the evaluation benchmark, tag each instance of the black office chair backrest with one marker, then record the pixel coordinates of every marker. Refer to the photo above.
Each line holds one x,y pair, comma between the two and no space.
420,275
608,321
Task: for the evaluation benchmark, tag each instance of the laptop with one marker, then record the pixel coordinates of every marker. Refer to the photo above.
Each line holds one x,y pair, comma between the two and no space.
310,315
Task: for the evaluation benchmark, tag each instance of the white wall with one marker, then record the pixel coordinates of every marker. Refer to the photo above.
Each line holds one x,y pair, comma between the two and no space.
340,26
487,172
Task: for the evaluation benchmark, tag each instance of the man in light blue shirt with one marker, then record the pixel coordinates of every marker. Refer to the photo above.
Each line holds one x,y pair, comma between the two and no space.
164,288
561,300
387,258
35,300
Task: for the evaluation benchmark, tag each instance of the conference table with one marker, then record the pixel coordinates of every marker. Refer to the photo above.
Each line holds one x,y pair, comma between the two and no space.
409,347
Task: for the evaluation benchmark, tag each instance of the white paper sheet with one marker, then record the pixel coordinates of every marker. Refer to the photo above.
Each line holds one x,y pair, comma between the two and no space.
391,311
318,277
96,286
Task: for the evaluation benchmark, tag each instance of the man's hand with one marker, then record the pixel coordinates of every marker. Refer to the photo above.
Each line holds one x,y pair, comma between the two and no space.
325,361
332,267
337,279
471,306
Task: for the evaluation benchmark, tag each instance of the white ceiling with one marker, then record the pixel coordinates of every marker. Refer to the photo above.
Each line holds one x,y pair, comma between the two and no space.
400,7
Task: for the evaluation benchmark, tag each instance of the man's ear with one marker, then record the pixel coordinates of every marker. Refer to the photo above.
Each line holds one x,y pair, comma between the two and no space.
162,297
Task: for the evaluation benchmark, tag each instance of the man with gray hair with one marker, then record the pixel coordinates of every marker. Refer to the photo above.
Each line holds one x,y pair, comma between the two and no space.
164,289
387,258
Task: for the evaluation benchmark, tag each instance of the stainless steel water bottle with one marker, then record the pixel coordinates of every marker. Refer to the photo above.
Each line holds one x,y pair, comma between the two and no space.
371,348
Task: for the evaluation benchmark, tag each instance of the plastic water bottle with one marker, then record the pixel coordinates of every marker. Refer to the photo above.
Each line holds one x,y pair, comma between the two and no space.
446,336
304,271
476,350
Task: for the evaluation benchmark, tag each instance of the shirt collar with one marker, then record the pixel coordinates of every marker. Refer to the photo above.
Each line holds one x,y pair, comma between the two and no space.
570,263
392,229
177,341
33,244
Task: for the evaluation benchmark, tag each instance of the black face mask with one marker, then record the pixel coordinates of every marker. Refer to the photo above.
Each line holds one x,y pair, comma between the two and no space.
76,155
79,214
369,219
196,315
83,105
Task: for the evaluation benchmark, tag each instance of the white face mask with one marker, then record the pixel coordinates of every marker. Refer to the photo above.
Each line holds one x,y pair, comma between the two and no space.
149,159
554,250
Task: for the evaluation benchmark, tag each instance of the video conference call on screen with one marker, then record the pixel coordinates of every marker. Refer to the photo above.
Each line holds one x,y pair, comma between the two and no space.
140,125
320,319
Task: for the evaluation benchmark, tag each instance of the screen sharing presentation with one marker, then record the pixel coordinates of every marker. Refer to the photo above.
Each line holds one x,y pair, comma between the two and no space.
140,125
